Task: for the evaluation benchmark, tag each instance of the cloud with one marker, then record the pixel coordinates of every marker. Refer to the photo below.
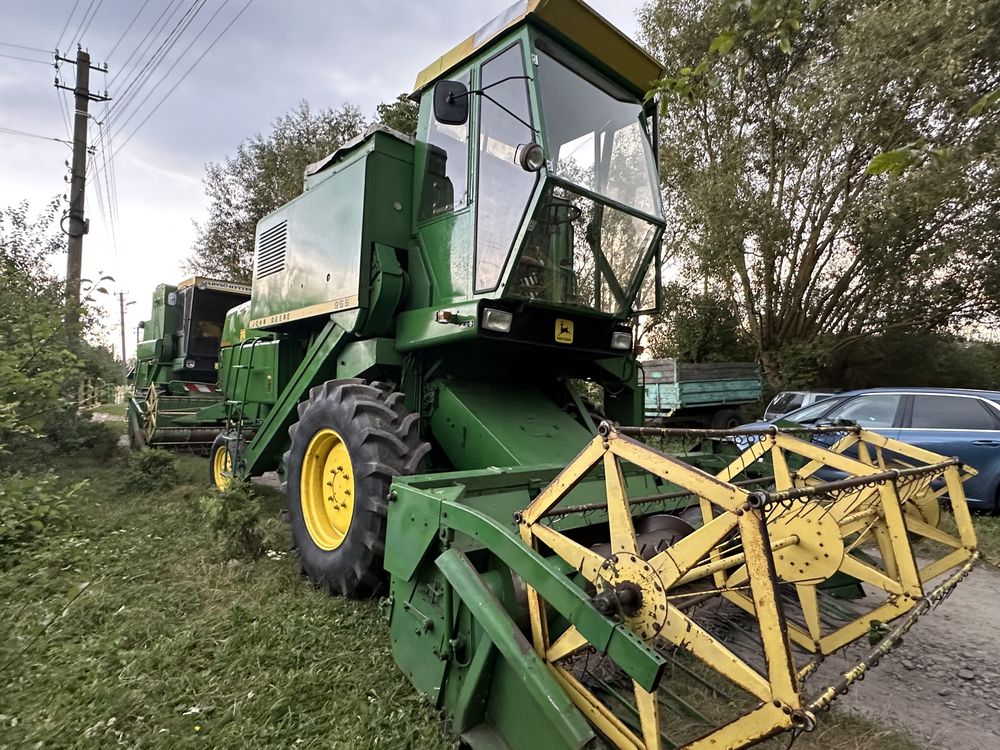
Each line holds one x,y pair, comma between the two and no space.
277,54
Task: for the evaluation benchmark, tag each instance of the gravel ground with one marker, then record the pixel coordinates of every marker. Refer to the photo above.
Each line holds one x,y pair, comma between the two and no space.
942,685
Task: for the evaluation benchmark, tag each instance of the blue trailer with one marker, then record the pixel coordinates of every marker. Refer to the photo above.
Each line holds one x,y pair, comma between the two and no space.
702,394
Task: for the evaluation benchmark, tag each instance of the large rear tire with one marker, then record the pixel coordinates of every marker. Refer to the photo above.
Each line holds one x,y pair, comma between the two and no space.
351,439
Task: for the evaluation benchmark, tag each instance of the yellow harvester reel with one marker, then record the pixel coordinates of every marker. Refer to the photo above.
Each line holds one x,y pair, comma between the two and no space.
753,548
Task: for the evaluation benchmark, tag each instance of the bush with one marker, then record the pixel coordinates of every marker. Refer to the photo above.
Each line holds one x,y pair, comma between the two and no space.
149,470
234,515
78,433
29,506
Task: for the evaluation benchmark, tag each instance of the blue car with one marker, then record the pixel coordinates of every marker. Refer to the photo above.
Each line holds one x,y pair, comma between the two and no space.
950,421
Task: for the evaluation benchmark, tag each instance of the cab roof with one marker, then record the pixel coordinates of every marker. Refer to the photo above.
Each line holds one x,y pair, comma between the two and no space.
573,20
215,285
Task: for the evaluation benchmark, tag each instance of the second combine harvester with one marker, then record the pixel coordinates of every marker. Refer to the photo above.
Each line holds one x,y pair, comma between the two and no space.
407,362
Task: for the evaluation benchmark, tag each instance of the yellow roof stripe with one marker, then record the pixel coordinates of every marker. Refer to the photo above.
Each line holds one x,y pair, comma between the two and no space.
573,19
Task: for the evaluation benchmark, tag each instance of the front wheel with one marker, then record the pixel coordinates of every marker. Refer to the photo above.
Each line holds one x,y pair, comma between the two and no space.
220,463
351,439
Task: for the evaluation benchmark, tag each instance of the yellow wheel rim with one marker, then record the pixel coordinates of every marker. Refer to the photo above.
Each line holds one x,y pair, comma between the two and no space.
222,468
327,489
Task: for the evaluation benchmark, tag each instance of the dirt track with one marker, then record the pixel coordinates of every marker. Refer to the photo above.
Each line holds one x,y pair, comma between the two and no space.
942,685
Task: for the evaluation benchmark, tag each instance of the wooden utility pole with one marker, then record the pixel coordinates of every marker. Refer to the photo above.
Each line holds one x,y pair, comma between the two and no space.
78,224
121,309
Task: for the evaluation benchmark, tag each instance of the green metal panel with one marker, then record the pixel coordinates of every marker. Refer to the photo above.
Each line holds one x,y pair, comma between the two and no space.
312,254
494,424
640,661
237,325
366,358
317,366
418,329
521,677
446,244
418,631
254,375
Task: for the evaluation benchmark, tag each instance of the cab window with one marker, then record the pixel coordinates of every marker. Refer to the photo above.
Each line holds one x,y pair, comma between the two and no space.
504,187
446,178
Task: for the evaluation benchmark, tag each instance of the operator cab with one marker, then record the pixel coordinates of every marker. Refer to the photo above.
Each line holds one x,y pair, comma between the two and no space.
203,304
536,160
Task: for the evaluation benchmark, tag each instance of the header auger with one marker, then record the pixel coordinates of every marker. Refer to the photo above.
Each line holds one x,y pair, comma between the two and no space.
424,321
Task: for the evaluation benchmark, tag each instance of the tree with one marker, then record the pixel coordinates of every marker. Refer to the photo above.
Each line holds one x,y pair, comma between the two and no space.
35,362
698,326
266,172
766,152
399,115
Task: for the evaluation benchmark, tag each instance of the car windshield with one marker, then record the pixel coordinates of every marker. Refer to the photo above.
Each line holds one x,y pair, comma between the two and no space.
785,402
595,137
810,414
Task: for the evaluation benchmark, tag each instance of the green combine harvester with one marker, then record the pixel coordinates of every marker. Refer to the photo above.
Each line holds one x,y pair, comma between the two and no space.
175,400
423,321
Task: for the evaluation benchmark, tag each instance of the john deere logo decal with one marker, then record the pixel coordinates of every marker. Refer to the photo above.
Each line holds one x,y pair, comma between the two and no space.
564,331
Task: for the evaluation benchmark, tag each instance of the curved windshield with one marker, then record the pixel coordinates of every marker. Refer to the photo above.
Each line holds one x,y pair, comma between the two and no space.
595,137
581,252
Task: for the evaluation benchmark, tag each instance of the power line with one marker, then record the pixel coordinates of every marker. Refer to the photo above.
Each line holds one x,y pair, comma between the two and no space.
63,108
83,20
66,25
185,75
87,27
157,58
127,29
152,30
141,63
30,49
108,179
166,75
26,134
25,59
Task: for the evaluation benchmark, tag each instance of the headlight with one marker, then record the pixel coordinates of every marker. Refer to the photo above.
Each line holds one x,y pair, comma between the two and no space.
531,157
621,340
497,320
189,364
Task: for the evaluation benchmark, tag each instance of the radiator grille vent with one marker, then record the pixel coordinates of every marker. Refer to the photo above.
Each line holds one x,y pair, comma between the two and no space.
271,250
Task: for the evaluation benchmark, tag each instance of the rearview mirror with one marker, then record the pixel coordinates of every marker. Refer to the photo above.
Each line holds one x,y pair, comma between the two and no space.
451,102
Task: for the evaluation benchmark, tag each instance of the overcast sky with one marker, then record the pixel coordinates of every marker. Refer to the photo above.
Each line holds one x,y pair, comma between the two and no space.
276,53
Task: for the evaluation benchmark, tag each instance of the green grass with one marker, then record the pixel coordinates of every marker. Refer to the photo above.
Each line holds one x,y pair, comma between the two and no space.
129,628
171,646
987,534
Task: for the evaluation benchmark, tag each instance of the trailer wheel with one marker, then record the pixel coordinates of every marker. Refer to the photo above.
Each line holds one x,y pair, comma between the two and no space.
726,419
351,439
220,463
